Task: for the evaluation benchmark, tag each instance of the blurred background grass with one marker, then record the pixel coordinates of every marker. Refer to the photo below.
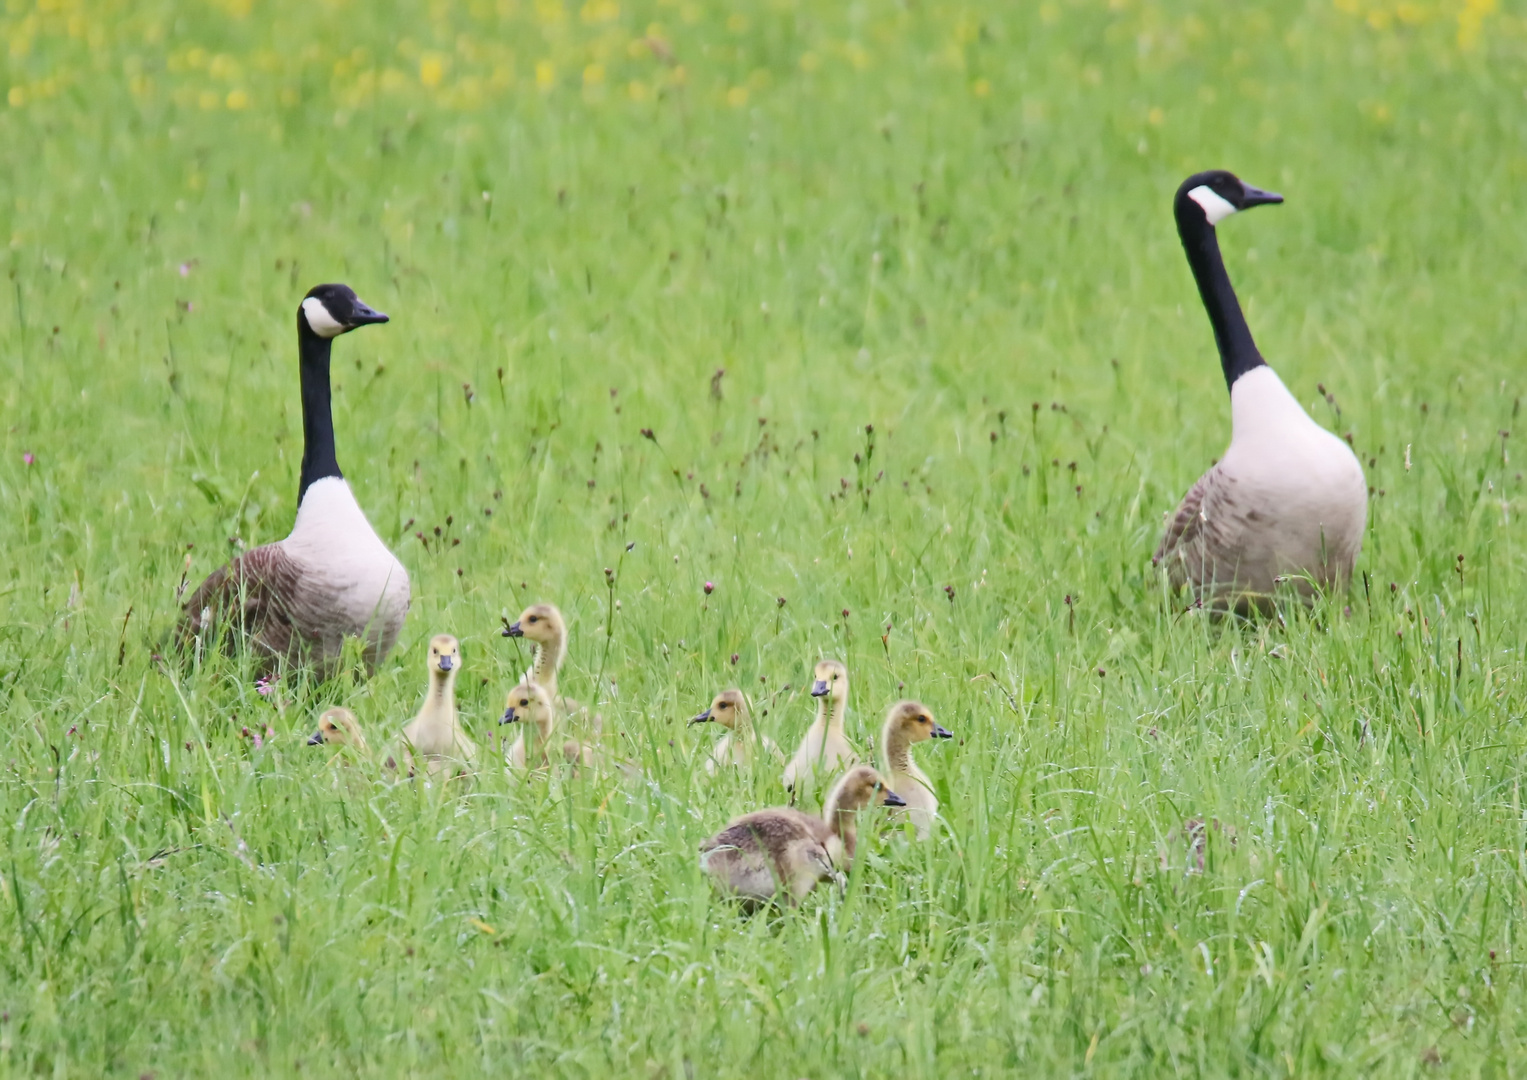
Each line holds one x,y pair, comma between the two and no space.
946,222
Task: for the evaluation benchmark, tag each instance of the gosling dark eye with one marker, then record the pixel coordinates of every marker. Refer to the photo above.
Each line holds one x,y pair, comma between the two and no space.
533,618
524,702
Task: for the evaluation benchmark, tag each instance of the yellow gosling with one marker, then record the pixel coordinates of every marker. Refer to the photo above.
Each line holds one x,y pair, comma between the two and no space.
825,749
543,626
740,746
539,744
435,737
338,727
909,722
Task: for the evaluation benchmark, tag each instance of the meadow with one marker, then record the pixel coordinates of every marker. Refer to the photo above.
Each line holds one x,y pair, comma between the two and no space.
896,291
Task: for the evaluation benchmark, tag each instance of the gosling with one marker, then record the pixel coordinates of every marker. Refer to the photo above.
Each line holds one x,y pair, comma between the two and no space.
825,749
338,727
435,736
530,704
906,723
543,626
767,854
739,745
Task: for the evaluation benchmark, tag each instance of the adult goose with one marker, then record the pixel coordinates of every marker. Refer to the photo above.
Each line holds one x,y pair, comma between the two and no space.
1288,499
298,599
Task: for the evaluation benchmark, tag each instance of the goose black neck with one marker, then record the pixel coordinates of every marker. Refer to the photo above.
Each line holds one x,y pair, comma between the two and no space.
1237,351
318,460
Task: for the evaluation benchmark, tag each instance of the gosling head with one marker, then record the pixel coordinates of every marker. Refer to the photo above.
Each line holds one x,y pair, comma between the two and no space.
831,681
1207,198
337,727
528,703
540,623
330,310
862,786
913,721
444,656
725,709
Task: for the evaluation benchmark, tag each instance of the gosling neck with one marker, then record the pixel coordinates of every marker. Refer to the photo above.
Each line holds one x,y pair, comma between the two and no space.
548,658
845,822
830,712
898,749
544,724
442,687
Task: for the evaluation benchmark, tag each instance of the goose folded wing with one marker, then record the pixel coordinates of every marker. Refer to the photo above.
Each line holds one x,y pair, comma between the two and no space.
251,597
1205,531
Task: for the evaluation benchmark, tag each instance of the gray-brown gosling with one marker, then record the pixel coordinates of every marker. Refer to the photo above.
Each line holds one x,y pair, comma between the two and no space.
824,749
1287,499
332,578
740,745
543,626
338,727
539,744
435,736
909,722
784,852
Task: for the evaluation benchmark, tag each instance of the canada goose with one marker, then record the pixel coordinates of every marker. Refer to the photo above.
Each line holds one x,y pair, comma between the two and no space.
543,626
762,855
824,749
332,577
908,722
1288,498
737,747
338,727
530,704
436,735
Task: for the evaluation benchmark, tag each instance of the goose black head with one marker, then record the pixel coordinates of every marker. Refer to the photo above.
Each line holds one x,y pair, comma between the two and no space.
1212,196
331,310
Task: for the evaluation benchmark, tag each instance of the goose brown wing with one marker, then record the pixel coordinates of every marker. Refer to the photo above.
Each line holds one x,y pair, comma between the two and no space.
250,599
1204,534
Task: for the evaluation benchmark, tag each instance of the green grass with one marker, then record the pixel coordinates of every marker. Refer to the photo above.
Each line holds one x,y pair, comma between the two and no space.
949,222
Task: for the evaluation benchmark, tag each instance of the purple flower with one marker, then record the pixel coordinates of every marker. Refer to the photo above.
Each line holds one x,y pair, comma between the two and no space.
709,588
28,458
266,686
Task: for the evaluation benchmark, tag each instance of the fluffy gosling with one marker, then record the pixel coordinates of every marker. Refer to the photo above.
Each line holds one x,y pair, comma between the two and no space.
435,736
740,744
338,727
529,704
909,722
784,852
825,749
543,626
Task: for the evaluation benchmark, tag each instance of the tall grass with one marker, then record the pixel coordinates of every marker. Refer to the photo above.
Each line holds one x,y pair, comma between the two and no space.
965,374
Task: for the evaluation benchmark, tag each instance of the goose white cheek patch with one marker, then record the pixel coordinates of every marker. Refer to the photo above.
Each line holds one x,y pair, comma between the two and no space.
323,324
1216,207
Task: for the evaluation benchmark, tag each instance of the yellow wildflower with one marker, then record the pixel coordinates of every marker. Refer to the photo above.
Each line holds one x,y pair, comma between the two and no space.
546,74
236,100
737,96
981,88
431,69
